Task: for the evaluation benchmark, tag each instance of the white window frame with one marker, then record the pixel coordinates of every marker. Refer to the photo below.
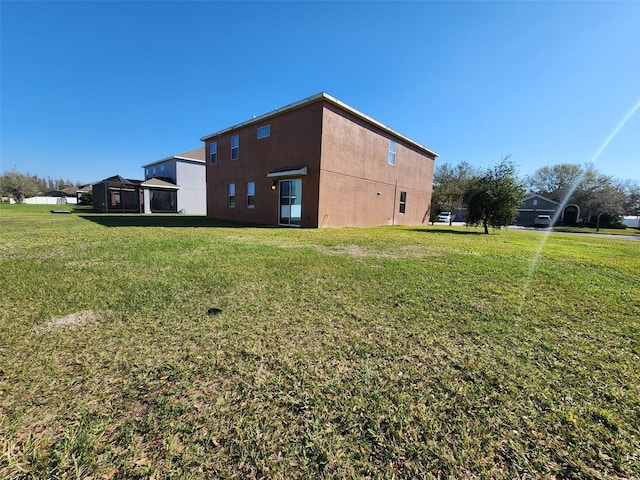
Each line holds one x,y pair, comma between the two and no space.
235,138
391,157
263,131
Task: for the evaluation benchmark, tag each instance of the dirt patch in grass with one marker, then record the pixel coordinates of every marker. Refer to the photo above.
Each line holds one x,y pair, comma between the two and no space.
71,321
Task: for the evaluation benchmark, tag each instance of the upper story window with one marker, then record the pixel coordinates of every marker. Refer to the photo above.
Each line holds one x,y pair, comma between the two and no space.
392,153
153,170
235,147
264,131
162,167
213,152
146,172
251,194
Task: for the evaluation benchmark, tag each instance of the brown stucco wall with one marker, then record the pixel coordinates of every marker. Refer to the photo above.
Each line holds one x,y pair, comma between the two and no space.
348,183
358,187
294,142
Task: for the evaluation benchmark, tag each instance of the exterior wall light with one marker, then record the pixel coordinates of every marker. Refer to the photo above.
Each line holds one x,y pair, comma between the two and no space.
274,184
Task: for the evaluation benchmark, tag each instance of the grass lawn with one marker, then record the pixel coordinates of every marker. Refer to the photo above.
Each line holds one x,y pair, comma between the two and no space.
176,347
629,231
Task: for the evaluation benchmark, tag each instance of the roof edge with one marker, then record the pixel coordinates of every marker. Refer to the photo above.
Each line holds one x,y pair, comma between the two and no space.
174,157
314,98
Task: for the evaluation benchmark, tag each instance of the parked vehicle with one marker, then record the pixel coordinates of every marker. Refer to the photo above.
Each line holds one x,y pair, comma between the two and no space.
542,221
444,217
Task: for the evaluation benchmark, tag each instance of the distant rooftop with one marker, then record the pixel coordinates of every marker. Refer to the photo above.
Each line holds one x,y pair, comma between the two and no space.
195,155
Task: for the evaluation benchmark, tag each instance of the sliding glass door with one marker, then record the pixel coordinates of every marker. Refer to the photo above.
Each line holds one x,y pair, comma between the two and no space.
290,202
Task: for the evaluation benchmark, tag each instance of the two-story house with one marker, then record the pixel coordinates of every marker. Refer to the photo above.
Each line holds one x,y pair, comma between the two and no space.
317,163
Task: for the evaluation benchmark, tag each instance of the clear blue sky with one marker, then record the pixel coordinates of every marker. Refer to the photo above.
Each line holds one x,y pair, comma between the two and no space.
92,89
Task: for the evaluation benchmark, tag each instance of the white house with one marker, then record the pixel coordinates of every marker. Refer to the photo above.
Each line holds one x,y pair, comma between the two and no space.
176,184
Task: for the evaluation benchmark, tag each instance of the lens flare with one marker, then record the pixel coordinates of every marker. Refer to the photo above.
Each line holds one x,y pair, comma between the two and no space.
538,254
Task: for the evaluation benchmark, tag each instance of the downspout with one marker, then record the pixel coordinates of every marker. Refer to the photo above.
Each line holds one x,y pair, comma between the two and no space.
393,215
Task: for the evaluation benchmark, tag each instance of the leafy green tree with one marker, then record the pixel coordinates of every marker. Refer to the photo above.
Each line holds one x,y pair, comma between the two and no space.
449,185
18,185
631,191
87,198
555,181
604,197
493,197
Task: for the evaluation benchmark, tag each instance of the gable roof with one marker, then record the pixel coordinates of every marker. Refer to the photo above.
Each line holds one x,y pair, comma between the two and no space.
121,180
196,155
541,197
159,183
323,96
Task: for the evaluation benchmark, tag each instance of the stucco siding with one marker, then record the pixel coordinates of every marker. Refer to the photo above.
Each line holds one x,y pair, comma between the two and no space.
192,195
358,186
294,141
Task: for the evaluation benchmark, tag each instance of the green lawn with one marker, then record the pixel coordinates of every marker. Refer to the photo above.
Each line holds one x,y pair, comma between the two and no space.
178,347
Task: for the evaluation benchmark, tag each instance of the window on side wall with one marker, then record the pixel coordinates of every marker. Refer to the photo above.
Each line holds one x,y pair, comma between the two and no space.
213,153
251,194
231,195
264,131
403,201
235,147
392,153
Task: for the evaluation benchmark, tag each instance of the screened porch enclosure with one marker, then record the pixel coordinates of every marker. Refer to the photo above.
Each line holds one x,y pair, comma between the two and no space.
163,201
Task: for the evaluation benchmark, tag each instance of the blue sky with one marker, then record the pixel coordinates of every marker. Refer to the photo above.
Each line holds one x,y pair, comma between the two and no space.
92,89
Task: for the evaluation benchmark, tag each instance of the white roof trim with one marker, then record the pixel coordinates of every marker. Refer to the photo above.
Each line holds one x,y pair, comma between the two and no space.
330,99
174,157
164,185
537,195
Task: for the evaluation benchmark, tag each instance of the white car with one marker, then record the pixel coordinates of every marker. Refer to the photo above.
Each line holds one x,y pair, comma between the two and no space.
444,217
542,221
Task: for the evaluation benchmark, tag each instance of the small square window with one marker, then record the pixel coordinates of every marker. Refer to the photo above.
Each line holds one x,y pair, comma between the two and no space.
235,147
213,152
392,153
231,196
251,194
403,201
264,131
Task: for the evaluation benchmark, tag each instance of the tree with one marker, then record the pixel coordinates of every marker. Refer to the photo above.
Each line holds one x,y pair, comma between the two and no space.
87,198
631,191
18,185
449,185
604,197
493,197
556,181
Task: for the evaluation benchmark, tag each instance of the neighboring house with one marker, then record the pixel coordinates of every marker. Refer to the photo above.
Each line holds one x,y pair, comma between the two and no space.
118,195
176,184
537,204
317,163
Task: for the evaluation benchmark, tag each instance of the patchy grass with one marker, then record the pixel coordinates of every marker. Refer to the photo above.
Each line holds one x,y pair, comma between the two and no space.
192,349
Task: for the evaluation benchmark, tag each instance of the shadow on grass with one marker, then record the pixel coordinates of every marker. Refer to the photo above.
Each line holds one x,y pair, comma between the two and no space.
448,230
134,220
